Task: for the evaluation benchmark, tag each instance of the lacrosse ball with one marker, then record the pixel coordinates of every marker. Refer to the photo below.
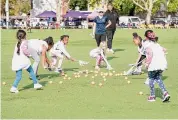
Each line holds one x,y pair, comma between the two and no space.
75,73
104,76
113,71
140,93
96,72
86,75
121,74
64,78
104,79
93,77
142,72
128,82
4,83
91,71
116,75
50,82
65,75
60,82
78,76
126,78
96,75
92,82
69,78
110,74
100,84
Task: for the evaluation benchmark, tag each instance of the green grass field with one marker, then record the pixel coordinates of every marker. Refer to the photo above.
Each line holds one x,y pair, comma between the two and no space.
77,98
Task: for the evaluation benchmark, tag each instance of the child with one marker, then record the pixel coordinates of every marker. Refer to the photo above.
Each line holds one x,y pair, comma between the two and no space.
21,61
138,41
156,64
38,48
59,51
99,54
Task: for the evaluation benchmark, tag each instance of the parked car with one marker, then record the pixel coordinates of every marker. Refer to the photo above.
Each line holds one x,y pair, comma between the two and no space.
131,21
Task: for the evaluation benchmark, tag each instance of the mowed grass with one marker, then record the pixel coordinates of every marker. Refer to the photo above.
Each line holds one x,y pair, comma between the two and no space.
77,98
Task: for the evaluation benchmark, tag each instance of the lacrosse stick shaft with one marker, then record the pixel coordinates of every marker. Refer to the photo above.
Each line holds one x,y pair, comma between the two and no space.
105,59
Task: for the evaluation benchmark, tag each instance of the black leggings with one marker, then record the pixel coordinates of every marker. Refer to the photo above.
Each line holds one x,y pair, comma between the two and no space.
99,38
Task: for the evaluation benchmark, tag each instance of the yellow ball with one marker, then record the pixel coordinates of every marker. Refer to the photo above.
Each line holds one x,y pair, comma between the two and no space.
60,82
100,84
96,75
104,79
92,82
93,77
128,82
86,75
50,82
64,78
140,93
126,78
113,71
69,78
65,75
104,76
4,83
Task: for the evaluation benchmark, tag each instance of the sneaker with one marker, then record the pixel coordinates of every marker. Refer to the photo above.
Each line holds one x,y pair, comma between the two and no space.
97,67
37,86
58,70
147,81
108,50
136,73
151,98
14,90
166,97
111,51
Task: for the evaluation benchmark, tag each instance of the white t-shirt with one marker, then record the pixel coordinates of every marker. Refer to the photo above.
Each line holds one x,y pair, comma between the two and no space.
60,48
20,61
158,61
95,52
37,44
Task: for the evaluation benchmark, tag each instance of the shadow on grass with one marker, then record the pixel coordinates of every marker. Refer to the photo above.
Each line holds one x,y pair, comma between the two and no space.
158,93
43,83
70,69
164,78
116,50
110,58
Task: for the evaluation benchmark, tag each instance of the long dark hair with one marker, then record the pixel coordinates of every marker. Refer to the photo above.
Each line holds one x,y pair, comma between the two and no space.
21,34
49,41
150,35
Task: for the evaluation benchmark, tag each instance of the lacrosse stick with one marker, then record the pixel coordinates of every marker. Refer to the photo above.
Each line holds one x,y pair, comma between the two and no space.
108,65
129,72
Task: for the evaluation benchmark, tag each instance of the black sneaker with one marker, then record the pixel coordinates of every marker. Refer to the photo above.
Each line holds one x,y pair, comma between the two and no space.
37,76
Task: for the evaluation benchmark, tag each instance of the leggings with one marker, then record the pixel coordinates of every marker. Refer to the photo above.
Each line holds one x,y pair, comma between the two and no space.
19,76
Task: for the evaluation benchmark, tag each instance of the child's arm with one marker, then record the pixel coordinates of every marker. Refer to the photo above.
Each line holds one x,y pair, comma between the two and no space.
149,56
24,48
44,57
94,28
109,23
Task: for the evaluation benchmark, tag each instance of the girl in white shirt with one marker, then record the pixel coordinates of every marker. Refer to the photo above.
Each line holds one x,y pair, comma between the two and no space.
99,54
38,48
21,61
59,51
156,63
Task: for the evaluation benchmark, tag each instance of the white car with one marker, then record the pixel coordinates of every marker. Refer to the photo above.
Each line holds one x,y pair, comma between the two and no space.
130,20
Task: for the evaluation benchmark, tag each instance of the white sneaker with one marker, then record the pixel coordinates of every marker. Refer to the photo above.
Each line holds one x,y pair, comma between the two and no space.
147,81
108,50
112,51
37,86
14,90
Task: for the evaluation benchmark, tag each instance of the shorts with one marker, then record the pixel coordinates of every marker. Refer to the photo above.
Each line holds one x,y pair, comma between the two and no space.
100,38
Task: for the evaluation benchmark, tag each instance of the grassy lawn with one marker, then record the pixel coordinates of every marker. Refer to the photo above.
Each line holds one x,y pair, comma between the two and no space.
77,98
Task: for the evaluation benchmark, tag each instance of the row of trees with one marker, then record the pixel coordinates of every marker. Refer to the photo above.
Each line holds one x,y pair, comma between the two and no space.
125,7
16,7
133,7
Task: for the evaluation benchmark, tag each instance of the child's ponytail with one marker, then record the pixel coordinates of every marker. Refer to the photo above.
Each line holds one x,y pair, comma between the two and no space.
21,34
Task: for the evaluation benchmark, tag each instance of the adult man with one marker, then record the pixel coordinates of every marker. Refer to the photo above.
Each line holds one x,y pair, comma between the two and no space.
112,15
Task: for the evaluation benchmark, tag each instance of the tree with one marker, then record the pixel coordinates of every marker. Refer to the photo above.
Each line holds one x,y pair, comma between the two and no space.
82,4
146,5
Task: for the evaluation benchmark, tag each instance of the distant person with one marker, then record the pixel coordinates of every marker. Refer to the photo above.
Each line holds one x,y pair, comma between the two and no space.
28,22
113,16
101,23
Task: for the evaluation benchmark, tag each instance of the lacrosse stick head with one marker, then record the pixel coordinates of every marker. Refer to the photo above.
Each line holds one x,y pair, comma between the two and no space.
82,63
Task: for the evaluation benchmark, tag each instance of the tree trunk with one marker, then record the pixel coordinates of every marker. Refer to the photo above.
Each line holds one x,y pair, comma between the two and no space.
148,17
58,11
